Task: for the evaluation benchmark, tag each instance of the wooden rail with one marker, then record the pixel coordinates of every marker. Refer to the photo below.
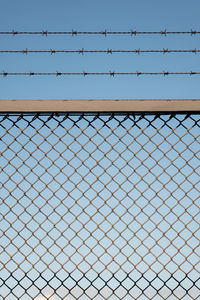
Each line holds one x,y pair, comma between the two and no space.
102,106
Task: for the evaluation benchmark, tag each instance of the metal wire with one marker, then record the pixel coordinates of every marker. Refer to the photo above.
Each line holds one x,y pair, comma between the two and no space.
100,206
112,74
108,51
105,32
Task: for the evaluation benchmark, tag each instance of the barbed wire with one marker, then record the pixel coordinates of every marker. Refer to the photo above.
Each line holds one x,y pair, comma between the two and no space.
112,74
105,32
108,51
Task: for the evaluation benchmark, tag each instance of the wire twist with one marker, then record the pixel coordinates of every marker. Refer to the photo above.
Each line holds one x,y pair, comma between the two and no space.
108,51
104,32
111,73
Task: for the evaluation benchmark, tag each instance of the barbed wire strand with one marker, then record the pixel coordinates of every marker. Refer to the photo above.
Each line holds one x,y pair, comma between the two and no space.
108,51
105,32
112,74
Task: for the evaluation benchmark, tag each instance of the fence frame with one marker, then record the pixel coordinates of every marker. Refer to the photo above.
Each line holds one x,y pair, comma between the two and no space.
54,108
100,106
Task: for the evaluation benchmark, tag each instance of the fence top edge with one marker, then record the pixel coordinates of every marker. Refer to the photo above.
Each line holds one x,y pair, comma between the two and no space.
99,106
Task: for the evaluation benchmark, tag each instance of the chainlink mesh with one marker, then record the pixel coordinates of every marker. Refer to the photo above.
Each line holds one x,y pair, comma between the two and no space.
100,206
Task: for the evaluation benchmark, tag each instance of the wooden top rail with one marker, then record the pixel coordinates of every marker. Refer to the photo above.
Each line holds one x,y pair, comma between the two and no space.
101,106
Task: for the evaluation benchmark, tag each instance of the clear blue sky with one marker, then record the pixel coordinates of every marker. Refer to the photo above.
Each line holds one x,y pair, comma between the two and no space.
113,15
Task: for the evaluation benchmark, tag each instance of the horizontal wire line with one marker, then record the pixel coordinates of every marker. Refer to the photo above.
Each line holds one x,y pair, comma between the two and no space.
105,32
94,73
108,51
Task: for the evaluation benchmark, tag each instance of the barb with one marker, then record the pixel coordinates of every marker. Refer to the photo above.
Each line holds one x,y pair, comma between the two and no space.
111,73
104,32
108,51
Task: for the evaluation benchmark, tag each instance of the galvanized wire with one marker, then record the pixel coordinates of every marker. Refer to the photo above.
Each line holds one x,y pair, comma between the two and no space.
100,206
104,32
111,73
108,51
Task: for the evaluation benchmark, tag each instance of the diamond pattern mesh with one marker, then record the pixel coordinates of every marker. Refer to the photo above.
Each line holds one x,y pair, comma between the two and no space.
101,206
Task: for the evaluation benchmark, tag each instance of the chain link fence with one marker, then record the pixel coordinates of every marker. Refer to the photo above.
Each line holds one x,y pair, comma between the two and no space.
100,206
